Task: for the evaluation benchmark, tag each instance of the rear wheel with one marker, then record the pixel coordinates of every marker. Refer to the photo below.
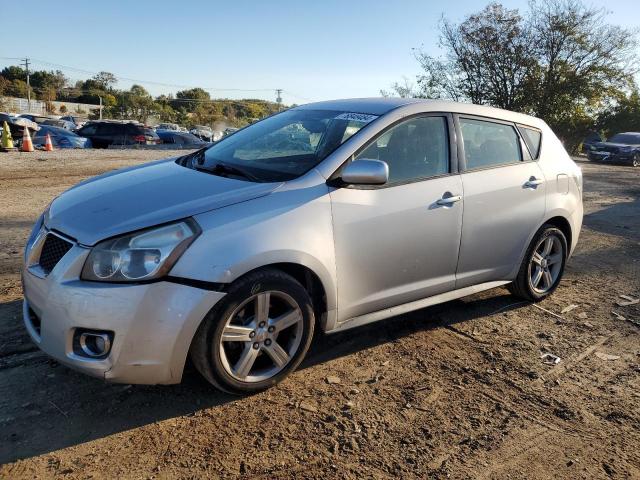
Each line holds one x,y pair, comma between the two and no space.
256,335
543,265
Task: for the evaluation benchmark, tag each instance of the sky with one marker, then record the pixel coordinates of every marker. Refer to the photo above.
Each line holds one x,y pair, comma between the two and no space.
313,50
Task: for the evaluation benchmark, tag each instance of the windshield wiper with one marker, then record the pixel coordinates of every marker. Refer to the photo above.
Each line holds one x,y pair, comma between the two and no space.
223,168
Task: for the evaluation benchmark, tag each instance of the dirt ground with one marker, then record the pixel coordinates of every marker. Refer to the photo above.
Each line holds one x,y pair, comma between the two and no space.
458,390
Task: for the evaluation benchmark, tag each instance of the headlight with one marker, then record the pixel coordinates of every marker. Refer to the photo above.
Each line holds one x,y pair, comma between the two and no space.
143,255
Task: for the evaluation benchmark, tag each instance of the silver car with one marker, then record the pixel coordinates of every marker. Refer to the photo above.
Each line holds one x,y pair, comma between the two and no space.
323,217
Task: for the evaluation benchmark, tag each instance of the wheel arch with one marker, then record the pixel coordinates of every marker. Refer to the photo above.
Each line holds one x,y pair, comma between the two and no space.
557,221
309,279
563,225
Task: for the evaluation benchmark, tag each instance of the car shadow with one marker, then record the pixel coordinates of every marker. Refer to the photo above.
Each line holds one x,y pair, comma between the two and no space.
69,408
620,219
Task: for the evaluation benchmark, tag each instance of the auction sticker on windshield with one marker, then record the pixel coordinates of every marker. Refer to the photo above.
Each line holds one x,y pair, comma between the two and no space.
357,117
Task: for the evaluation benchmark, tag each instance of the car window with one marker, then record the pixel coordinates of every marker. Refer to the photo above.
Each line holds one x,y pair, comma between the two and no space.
89,130
626,138
414,149
488,144
108,129
533,139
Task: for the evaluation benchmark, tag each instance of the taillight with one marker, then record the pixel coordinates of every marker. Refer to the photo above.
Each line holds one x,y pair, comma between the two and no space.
139,138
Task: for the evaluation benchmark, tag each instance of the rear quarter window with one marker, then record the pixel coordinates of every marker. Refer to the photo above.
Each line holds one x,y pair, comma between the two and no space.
533,139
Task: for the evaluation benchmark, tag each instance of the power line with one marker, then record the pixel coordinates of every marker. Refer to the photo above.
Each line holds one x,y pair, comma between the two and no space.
152,82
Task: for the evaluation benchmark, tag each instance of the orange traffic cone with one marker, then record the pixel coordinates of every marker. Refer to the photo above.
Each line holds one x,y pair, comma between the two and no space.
48,146
27,144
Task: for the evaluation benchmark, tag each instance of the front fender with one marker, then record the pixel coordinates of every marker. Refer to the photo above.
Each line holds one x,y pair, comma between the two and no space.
291,225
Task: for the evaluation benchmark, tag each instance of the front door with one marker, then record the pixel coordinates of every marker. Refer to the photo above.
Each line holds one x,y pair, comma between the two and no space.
399,242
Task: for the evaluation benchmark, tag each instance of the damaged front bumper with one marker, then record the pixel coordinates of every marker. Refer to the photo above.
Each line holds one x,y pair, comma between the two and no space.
151,324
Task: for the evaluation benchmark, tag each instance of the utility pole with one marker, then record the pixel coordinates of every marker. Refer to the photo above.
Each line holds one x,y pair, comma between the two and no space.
26,66
279,98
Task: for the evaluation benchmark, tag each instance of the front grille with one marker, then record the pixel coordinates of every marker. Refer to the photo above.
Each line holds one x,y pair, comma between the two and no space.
53,250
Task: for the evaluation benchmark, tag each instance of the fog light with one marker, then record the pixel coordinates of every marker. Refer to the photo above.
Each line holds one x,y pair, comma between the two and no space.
95,344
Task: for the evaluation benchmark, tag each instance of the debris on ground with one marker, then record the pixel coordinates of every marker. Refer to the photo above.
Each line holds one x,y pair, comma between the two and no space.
308,406
548,311
628,301
607,356
550,359
573,306
618,316
333,380
583,315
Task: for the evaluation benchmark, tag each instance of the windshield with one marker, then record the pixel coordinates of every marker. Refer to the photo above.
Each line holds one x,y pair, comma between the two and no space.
286,145
627,138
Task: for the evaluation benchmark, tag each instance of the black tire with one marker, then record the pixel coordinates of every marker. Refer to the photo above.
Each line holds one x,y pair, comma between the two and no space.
635,161
522,286
206,346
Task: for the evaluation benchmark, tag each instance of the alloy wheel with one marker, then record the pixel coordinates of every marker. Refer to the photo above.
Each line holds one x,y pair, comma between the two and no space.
545,265
636,160
261,336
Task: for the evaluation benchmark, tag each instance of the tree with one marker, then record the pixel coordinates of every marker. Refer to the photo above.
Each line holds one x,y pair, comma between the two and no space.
139,103
190,99
406,89
14,73
104,80
623,117
561,62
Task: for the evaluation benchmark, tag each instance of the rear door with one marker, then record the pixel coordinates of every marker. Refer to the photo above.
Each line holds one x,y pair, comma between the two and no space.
398,242
108,134
504,199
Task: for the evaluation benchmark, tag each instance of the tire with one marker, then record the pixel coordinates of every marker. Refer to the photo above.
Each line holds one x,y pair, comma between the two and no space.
232,337
635,161
530,284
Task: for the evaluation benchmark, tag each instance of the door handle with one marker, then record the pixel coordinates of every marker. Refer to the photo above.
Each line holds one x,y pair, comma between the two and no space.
448,200
533,182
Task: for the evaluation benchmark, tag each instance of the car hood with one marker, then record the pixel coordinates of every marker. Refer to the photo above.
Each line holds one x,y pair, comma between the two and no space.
130,199
610,144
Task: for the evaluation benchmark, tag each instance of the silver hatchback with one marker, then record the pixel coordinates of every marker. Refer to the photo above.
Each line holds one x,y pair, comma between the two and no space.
323,217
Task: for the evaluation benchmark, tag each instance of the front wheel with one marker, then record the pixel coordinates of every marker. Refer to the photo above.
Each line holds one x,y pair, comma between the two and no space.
256,335
543,265
635,161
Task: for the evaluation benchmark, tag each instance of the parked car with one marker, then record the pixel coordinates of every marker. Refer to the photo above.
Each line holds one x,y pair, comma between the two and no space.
60,138
590,140
59,123
168,126
105,133
17,126
237,253
621,148
34,117
203,132
77,121
175,137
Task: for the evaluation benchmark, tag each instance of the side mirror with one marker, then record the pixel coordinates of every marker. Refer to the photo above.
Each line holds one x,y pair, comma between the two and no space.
366,172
